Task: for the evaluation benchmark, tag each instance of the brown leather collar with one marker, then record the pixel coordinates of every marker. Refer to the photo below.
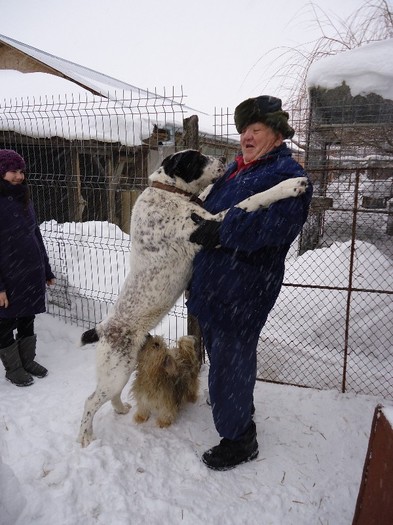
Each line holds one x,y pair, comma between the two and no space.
173,189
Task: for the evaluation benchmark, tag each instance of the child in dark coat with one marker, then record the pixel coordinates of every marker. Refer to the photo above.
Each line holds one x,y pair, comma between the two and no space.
24,273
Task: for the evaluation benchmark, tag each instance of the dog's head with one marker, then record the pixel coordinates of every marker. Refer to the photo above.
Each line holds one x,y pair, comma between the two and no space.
155,358
189,170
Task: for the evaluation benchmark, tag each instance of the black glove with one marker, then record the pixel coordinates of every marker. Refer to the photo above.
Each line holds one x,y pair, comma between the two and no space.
207,234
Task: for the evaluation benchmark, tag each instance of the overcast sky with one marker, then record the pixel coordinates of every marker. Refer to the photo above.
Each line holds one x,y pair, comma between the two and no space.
213,50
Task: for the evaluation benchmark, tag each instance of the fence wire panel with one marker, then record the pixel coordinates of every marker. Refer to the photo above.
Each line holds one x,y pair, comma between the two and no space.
332,324
88,160
331,328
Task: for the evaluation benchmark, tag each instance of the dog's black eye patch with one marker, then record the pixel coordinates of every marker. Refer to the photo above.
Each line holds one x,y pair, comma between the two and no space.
188,165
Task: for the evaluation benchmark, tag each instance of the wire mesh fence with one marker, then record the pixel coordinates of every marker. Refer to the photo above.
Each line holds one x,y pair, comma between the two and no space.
331,326
88,160
339,291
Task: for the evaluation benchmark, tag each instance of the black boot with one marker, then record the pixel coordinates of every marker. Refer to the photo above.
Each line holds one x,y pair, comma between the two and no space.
27,346
229,453
13,366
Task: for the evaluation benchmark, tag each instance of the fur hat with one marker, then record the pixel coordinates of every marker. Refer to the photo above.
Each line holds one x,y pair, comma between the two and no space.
10,160
265,109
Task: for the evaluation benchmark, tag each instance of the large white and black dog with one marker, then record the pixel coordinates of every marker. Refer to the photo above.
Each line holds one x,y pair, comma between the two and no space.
160,267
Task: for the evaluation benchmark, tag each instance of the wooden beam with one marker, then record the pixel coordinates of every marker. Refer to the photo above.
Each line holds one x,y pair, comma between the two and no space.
375,499
11,58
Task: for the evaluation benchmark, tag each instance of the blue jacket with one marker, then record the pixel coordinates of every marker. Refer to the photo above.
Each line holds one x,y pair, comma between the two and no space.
24,265
243,277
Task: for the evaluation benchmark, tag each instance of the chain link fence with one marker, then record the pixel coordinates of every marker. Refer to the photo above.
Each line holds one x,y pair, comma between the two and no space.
88,160
332,324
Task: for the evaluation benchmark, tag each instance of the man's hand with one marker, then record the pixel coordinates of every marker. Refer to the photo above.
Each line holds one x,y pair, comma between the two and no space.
3,300
207,234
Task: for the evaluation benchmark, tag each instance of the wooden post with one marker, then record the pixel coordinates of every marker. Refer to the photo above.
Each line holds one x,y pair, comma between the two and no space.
191,141
191,132
76,199
389,227
114,172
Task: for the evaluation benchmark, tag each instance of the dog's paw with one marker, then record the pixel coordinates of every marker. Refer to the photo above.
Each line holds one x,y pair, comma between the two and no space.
124,408
85,438
293,187
164,422
140,417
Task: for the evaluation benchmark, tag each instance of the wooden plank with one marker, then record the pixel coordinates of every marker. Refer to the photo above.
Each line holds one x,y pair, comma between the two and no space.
375,499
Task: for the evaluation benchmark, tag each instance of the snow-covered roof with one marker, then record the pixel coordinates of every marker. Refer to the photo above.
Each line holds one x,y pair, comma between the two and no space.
44,86
366,69
95,82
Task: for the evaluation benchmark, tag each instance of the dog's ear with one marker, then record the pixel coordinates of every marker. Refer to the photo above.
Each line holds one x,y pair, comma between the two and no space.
170,366
187,165
187,343
168,165
174,164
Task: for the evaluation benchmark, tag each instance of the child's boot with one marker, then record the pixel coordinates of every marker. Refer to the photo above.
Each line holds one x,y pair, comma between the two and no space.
27,346
13,366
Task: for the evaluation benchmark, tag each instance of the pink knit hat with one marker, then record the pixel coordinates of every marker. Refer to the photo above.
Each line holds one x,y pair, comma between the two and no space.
10,160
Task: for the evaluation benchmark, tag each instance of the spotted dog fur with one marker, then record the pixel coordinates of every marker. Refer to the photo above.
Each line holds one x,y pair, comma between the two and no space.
161,264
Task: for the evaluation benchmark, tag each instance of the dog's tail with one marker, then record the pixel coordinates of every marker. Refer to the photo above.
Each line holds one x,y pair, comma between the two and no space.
89,337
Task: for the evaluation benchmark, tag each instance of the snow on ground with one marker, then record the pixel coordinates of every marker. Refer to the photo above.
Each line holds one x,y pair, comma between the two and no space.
312,449
312,443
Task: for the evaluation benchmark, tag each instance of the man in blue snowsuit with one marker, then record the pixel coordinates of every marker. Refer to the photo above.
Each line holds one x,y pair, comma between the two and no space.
238,275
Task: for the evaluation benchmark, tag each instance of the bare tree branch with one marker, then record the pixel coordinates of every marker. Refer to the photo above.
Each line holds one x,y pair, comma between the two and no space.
372,22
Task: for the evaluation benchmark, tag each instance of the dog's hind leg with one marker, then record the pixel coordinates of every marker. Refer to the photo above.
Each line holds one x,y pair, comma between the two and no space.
92,404
113,373
103,393
118,405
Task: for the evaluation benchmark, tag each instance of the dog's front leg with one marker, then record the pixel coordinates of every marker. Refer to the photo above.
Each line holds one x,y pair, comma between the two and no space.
202,196
166,416
283,190
143,411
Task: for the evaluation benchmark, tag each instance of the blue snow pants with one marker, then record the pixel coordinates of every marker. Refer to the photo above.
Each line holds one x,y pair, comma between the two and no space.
232,351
